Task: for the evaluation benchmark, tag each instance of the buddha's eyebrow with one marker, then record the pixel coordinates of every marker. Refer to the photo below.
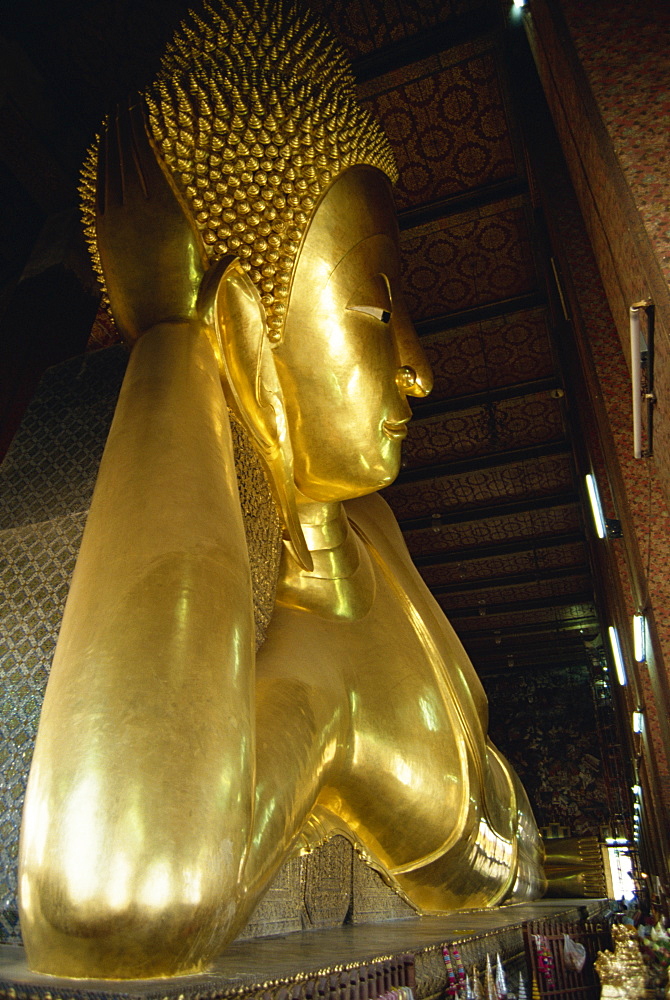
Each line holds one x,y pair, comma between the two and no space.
366,239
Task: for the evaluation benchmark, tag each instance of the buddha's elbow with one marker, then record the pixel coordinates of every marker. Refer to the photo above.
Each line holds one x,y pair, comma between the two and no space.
124,920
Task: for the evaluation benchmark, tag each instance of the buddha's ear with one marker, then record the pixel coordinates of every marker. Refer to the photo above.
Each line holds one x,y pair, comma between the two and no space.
231,309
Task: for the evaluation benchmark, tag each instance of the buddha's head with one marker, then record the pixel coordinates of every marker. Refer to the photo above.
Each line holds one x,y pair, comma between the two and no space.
348,355
288,182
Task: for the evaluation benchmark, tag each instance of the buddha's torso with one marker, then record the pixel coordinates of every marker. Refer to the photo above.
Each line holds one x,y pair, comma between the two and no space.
407,761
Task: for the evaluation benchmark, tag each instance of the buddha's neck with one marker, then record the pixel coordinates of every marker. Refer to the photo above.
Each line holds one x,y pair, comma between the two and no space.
341,585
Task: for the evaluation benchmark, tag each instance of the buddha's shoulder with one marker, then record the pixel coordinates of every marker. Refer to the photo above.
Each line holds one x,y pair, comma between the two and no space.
377,523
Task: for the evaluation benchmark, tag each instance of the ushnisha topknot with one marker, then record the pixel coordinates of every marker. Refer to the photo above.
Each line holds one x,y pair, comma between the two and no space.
255,113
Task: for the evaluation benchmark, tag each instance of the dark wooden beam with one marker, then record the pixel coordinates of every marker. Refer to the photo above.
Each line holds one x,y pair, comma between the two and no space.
527,641
540,660
437,519
452,32
512,580
481,197
433,408
532,604
493,655
551,628
487,671
492,310
472,552
492,461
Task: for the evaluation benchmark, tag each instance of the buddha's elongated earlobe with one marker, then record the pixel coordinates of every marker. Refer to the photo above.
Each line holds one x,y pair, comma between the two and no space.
231,309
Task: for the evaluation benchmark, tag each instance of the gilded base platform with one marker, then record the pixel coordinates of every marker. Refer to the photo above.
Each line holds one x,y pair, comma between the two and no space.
299,964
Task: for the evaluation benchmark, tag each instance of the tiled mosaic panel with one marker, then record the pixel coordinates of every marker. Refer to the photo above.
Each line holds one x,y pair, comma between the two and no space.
35,572
446,125
372,899
46,482
458,263
483,430
515,481
51,466
103,332
281,910
489,354
322,889
329,884
562,519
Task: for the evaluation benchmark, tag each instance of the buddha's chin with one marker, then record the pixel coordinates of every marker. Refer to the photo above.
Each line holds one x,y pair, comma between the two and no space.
381,476
349,479
339,492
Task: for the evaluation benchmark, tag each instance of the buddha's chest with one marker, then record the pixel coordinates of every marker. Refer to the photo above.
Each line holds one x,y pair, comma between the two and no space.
400,660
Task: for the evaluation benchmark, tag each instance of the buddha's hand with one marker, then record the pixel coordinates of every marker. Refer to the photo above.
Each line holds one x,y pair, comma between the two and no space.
152,257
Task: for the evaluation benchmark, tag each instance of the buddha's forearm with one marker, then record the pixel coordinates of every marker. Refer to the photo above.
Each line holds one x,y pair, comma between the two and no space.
139,802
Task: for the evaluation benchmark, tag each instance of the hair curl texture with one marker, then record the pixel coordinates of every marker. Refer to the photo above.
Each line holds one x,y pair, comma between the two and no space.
254,112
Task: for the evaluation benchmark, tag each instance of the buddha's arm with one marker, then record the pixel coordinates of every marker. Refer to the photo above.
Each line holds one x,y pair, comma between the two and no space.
139,803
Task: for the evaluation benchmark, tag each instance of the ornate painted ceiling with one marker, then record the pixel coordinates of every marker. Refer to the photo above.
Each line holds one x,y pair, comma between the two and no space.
487,497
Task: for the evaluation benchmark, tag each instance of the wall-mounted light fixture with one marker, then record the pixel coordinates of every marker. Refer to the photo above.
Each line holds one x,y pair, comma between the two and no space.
640,637
638,721
606,527
642,375
596,506
618,656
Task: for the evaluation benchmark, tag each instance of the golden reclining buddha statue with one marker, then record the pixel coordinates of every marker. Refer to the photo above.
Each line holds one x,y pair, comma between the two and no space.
210,712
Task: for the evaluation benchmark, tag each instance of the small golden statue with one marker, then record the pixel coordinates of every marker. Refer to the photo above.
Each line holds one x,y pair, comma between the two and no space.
243,224
622,973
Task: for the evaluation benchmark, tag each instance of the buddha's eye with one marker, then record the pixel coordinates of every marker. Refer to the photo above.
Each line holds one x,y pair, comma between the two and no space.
373,297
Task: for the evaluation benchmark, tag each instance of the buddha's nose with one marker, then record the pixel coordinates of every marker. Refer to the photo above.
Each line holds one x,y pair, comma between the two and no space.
414,376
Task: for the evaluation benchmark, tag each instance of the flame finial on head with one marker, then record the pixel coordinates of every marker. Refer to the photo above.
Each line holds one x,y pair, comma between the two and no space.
254,112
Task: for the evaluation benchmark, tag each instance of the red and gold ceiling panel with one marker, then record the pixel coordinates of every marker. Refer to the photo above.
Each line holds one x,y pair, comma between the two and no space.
489,354
531,561
562,519
534,590
562,555
363,26
476,258
483,430
535,479
482,569
477,618
446,124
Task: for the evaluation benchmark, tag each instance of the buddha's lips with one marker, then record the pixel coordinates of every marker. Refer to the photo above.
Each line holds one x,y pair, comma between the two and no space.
395,431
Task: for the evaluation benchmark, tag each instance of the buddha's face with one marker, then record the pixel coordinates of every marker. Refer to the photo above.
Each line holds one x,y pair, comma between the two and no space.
349,356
